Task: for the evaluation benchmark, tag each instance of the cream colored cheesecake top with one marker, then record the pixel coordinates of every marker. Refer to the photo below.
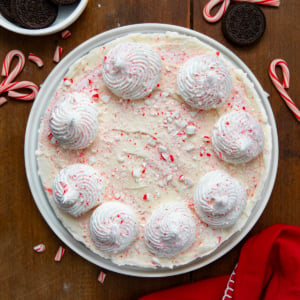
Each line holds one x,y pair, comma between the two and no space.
151,154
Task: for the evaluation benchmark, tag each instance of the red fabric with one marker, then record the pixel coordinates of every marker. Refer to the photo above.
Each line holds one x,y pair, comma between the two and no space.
268,269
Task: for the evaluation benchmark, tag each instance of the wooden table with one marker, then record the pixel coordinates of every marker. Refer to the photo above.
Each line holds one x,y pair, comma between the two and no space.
25,274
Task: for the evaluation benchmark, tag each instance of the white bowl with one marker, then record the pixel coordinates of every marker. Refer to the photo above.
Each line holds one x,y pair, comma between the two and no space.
67,14
31,142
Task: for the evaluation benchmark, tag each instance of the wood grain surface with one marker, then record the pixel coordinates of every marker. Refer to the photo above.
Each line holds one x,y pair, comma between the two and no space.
25,274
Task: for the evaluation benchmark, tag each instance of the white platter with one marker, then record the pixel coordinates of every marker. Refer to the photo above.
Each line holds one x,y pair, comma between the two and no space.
67,15
31,142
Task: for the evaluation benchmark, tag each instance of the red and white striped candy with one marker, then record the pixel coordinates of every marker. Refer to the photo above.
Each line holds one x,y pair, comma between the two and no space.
39,248
2,100
37,60
101,277
65,34
284,85
220,13
6,64
57,54
59,254
225,3
11,87
262,2
7,85
206,139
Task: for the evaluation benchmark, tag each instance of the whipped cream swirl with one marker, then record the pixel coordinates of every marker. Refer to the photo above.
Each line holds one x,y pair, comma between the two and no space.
219,199
237,137
113,227
170,230
77,189
131,70
204,82
74,121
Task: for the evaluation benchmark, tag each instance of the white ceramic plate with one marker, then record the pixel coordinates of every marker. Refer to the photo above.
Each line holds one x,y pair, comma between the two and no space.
31,142
67,15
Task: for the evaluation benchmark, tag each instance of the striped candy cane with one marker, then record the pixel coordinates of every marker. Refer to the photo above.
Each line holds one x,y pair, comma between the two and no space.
284,85
225,3
262,2
59,254
7,85
220,13
6,64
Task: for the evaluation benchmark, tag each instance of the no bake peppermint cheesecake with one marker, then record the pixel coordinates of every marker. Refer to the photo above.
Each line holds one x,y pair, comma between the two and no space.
154,150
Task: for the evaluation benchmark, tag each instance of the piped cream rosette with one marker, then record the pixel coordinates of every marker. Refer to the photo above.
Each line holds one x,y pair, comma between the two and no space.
77,189
74,121
219,199
237,137
204,82
131,70
170,230
113,227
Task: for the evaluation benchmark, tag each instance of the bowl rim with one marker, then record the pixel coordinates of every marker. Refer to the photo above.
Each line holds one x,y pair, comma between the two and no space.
55,27
31,140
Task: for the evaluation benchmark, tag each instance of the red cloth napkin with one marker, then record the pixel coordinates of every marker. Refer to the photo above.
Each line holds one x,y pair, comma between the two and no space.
268,269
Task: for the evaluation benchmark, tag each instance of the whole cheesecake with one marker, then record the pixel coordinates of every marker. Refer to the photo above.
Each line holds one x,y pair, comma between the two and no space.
154,150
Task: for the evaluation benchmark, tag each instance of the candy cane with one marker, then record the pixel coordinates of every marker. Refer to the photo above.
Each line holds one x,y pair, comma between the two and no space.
2,100
57,54
20,85
7,85
284,85
101,277
220,13
59,254
37,60
6,64
210,5
65,34
39,248
262,2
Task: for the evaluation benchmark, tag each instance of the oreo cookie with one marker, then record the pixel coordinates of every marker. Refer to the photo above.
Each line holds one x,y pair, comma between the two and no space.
34,14
5,10
243,24
64,2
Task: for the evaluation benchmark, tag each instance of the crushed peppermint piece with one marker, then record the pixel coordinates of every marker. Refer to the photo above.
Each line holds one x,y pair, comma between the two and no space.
164,156
169,177
57,54
206,139
105,99
181,178
155,261
180,124
39,248
190,130
137,172
189,147
92,160
65,34
162,149
189,182
120,159
101,277
67,82
59,254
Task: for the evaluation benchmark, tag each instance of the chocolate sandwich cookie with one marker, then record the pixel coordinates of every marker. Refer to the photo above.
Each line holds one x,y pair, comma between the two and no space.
5,10
34,14
64,2
243,24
